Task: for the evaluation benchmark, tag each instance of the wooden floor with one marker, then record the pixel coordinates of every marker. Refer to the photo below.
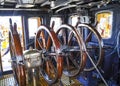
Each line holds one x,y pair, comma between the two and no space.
8,80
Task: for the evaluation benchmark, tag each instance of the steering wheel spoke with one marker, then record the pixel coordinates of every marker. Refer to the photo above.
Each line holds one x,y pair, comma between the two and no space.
88,37
40,43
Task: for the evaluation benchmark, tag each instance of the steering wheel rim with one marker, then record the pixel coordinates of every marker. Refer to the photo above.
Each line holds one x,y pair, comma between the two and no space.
67,41
100,43
45,45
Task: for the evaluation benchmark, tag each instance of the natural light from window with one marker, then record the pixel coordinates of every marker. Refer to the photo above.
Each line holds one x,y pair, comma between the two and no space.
57,21
4,45
33,24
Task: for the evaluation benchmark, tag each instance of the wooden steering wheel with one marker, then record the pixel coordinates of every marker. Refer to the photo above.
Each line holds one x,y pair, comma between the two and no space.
93,43
52,62
16,56
74,56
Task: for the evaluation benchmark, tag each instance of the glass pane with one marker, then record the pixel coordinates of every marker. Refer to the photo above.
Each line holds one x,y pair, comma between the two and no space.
33,24
74,20
104,26
57,21
4,43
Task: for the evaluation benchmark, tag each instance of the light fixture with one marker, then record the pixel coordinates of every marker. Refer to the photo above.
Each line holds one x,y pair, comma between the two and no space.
7,2
25,3
52,3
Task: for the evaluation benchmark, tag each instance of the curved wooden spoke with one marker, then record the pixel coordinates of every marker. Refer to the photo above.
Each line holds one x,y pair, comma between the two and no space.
12,53
88,37
64,33
67,62
74,61
21,74
70,36
50,69
57,45
43,39
53,24
49,42
47,68
16,40
40,43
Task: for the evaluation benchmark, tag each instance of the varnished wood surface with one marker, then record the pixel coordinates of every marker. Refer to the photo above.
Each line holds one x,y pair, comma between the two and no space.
16,52
46,44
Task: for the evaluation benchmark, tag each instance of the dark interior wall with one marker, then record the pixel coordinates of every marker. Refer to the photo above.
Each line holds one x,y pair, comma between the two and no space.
28,12
111,58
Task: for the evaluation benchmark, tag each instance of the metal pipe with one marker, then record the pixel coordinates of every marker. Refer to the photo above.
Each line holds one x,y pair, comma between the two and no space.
66,7
15,9
97,69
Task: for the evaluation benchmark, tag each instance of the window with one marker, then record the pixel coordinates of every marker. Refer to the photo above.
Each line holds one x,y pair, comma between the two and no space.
58,22
104,26
4,44
81,19
33,24
74,20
